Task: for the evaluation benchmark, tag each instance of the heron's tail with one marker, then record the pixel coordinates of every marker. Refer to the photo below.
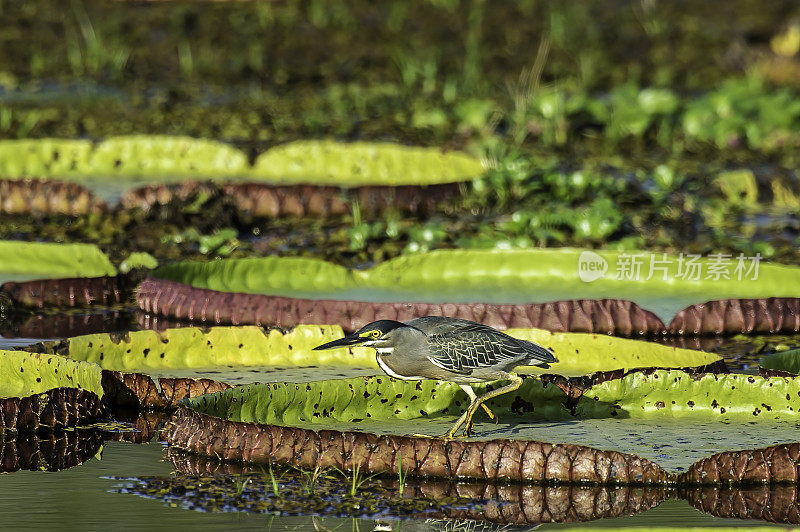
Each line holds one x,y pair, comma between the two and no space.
539,356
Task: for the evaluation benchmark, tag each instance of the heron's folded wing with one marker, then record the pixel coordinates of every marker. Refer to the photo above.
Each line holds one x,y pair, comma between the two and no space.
471,348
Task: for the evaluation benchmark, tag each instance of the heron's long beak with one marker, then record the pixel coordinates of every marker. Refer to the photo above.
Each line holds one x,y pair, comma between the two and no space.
342,342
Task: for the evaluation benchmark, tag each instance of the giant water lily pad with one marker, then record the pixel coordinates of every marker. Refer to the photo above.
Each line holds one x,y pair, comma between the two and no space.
787,361
43,157
580,353
47,196
39,390
505,460
249,346
140,156
151,157
656,394
191,347
673,418
674,393
364,163
22,261
481,278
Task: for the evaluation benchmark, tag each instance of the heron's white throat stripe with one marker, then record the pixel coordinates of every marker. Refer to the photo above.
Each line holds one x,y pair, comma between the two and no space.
385,350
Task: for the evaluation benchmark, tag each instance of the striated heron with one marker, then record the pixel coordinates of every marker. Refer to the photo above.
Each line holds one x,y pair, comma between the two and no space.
448,349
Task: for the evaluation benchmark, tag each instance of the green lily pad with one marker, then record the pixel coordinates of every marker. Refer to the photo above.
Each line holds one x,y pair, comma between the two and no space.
657,395
145,156
499,276
288,275
252,346
637,395
364,163
581,354
43,157
536,413
24,261
159,156
215,347
788,361
673,393
151,157
24,374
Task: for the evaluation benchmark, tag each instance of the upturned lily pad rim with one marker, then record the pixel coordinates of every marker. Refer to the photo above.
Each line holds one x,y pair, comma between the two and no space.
315,162
484,276
23,374
26,261
243,346
655,393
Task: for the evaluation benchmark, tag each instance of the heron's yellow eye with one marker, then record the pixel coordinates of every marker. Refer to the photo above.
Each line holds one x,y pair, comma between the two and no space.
375,334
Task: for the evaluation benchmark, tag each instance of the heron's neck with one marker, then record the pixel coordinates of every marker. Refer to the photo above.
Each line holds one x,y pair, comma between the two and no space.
386,367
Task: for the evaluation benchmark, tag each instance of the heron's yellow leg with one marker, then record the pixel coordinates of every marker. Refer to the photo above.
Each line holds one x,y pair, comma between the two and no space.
516,382
471,393
479,401
452,432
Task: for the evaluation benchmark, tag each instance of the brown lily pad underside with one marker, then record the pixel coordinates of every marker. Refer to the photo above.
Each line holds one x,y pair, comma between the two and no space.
72,292
273,201
494,460
504,460
47,196
48,450
135,390
604,316
59,407
770,465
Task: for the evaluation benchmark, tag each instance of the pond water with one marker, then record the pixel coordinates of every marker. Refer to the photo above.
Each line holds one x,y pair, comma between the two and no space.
87,497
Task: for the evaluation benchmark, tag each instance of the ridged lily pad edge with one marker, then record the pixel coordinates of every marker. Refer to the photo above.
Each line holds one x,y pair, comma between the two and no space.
248,346
500,503
500,460
73,291
49,197
262,200
29,196
34,394
507,460
138,391
606,316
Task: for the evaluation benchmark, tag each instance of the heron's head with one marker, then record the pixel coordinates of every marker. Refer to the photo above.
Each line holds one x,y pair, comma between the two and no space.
381,335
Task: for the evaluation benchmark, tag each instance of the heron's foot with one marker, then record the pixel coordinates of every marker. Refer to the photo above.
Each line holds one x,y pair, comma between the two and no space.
468,423
417,435
491,414
450,436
